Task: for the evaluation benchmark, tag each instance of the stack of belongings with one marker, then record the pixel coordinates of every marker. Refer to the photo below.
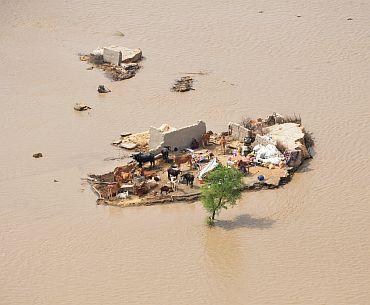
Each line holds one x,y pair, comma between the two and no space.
268,154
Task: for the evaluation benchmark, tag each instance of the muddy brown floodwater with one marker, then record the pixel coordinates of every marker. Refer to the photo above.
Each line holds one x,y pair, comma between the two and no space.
306,243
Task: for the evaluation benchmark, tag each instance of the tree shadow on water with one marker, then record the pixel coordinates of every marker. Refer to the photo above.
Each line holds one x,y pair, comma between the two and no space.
245,221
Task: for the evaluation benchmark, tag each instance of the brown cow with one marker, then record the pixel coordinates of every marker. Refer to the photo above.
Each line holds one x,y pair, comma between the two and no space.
141,189
181,159
206,137
125,177
112,190
147,174
256,125
121,170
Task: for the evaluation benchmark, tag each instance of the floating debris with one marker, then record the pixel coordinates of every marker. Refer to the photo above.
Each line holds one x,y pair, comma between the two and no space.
183,84
37,155
198,73
81,107
120,72
118,33
103,89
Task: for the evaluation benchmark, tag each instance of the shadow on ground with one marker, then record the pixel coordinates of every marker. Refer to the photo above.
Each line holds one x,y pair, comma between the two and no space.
245,221
305,167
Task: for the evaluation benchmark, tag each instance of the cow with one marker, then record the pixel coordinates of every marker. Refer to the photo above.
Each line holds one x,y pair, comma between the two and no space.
166,189
165,153
174,183
120,170
174,172
147,174
206,137
112,190
181,159
141,189
189,178
256,125
124,178
143,158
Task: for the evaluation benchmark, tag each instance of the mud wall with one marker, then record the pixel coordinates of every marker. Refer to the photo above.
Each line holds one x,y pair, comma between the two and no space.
112,56
238,132
180,138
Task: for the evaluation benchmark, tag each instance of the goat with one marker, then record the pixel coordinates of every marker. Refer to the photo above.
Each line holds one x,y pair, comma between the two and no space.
166,189
174,183
174,172
184,159
189,178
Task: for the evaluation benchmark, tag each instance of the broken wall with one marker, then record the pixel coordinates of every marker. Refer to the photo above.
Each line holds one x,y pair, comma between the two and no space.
180,138
238,132
112,56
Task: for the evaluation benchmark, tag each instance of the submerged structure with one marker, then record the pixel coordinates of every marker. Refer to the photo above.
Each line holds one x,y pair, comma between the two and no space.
118,62
171,163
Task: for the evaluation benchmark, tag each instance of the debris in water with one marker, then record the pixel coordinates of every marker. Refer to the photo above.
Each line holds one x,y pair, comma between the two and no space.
120,72
37,155
128,145
103,89
81,107
183,84
125,134
118,62
116,142
118,33
198,73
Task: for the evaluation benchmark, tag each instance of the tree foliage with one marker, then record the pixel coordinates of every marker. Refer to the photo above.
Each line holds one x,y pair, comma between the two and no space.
222,188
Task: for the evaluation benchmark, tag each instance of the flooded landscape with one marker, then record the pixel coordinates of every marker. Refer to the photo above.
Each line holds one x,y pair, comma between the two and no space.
304,243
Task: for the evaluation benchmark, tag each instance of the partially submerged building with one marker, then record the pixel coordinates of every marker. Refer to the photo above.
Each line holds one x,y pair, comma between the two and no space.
116,55
117,61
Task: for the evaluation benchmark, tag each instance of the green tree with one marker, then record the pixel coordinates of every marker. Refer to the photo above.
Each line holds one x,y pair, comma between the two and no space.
222,188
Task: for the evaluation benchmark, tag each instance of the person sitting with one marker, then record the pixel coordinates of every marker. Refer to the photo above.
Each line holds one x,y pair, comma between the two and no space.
243,166
194,144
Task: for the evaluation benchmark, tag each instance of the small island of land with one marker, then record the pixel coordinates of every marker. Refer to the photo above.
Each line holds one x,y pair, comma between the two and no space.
170,164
